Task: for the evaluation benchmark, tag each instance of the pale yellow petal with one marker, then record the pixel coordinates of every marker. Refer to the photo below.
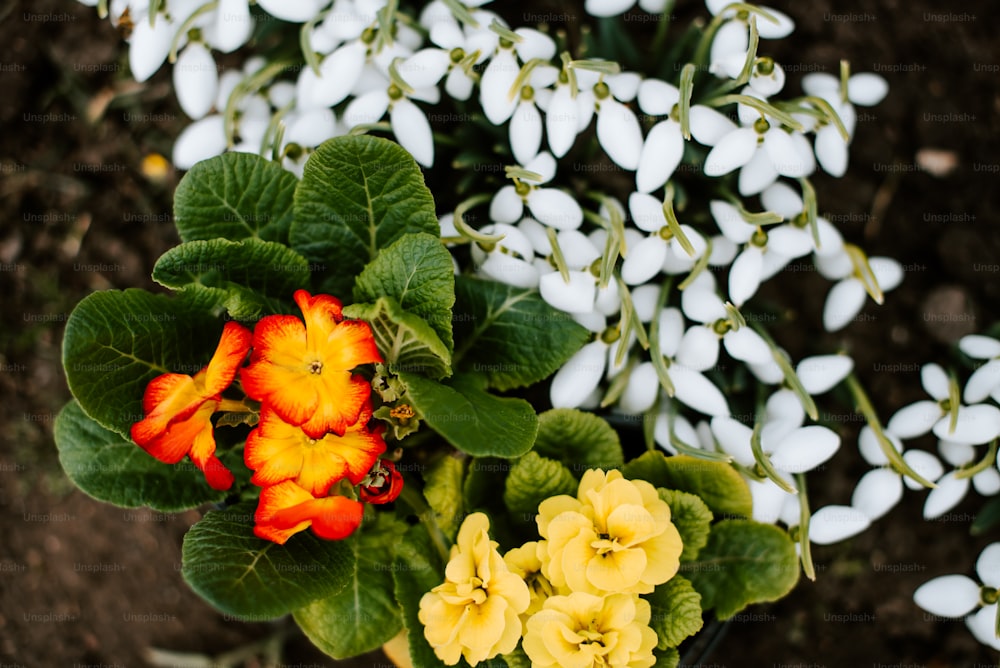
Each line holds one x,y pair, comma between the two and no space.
617,571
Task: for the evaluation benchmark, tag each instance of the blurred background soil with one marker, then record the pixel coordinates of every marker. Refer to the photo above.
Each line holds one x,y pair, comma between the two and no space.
84,583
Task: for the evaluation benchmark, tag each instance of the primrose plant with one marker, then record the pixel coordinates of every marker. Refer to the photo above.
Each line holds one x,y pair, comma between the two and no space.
507,374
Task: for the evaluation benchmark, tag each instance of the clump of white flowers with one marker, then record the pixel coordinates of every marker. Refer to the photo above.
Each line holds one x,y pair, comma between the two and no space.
661,279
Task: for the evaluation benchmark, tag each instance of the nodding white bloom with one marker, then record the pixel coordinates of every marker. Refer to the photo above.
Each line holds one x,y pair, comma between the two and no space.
985,482
847,297
984,381
550,206
879,490
525,129
664,144
820,373
339,73
618,129
832,524
791,448
733,37
510,260
498,92
196,80
782,199
646,259
579,292
578,378
616,7
958,595
203,139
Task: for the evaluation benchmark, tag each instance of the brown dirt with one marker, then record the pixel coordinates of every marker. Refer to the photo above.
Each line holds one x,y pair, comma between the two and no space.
85,583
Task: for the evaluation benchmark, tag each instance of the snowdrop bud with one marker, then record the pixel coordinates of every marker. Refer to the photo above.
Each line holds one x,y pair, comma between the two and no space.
232,27
731,152
644,260
555,208
575,296
734,439
948,595
877,493
579,376
832,524
948,493
979,347
805,449
660,155
976,425
914,419
495,85
696,391
149,46
924,464
699,349
196,80
821,373
203,139
768,500
844,301
641,390
298,11
619,133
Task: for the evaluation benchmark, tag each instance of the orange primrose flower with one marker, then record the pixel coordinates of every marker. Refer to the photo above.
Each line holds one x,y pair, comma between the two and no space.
285,509
278,451
303,371
382,484
179,408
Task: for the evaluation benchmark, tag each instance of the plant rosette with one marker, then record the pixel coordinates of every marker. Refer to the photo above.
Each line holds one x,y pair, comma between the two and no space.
397,414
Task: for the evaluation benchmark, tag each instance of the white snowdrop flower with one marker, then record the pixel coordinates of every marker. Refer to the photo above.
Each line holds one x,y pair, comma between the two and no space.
985,482
615,7
562,117
871,452
149,45
767,77
196,80
296,11
497,93
508,260
957,595
692,389
982,624
865,89
699,347
646,259
550,206
525,127
203,139
618,129
733,36
311,128
949,493
231,27
877,492
338,74
847,297
820,373
669,426
641,390
948,595
664,144
832,524
784,201
984,381
975,425
768,499
579,376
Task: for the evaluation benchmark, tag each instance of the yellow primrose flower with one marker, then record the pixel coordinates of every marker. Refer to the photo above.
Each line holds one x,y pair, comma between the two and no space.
582,630
615,536
526,563
475,612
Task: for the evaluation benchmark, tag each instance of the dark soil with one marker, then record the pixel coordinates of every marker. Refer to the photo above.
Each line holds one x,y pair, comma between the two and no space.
87,584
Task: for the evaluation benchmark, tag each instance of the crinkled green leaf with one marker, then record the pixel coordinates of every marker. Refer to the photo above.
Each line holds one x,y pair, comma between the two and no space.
744,562
534,479
358,194
579,440
717,484
416,569
256,579
692,518
676,611
510,336
249,278
115,470
406,341
443,491
667,658
116,342
471,419
235,196
417,272
365,614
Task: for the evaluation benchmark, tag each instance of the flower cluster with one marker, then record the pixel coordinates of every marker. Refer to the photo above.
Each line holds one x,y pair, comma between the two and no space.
573,596
313,428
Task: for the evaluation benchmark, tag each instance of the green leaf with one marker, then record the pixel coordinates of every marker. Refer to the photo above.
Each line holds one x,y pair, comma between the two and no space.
534,479
115,470
443,491
668,658
470,418
405,340
417,272
744,562
579,440
358,194
676,611
716,483
249,278
510,336
116,342
235,196
253,578
364,615
692,518
416,570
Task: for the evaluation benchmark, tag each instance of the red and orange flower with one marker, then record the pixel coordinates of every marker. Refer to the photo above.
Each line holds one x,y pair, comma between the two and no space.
285,509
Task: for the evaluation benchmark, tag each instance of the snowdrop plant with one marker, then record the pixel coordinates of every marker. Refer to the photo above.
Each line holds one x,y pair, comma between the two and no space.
593,227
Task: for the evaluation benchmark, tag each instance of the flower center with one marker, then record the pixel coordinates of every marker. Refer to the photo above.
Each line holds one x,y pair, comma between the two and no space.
316,367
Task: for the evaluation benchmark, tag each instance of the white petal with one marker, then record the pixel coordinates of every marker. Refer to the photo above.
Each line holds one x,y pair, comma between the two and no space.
579,376
702,305
731,38
506,206
723,252
641,390
369,108
709,126
979,347
867,89
982,624
820,84
784,406
525,132
956,454
561,121
745,274
747,345
782,28
868,445
888,272
982,382
831,150
619,133
988,565
877,493
544,165
585,101
924,464
608,301
987,482
830,241
769,84
149,46
298,11
730,222
593,322
577,249
696,391
495,85
832,524
644,260
624,86
413,131
934,381
555,208
510,270
671,331
976,425
782,199
660,155
196,80
576,296
644,301
835,266
768,500
734,439
646,212
425,68
607,7
699,348
769,374
199,141
312,128
657,97
534,44
805,449
948,493
784,155
757,174
948,595
789,241
820,373
458,85
232,27
914,420
843,303
731,152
